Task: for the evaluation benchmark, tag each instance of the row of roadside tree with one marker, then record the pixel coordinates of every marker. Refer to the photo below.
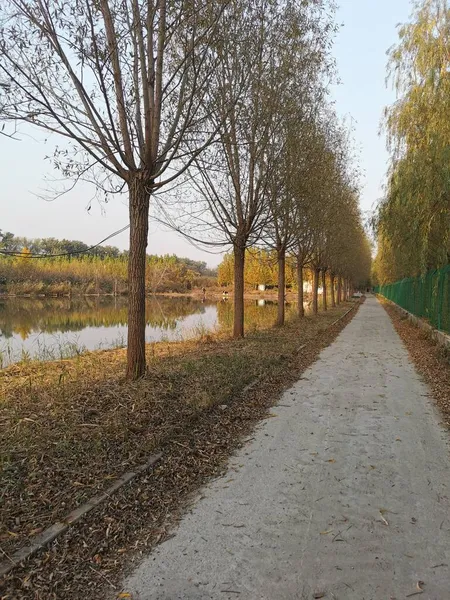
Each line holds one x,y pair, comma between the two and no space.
216,112
261,273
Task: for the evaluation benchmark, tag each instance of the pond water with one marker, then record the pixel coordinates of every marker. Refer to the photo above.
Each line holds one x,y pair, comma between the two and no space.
54,328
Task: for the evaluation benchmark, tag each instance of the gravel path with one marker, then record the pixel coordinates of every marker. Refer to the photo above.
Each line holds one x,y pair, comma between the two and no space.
342,494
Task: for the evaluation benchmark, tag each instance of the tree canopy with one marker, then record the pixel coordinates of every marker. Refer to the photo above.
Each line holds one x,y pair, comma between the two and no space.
413,220
219,107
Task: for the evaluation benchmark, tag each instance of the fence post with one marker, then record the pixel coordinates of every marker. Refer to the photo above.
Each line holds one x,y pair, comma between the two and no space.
440,297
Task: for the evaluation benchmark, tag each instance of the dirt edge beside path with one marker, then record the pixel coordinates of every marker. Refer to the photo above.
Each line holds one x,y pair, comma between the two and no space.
431,360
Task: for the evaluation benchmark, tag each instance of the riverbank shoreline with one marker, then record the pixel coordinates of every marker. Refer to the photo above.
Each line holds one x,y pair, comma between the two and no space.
57,328
213,294
74,425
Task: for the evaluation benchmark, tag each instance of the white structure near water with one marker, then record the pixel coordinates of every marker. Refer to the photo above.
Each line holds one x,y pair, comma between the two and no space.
307,287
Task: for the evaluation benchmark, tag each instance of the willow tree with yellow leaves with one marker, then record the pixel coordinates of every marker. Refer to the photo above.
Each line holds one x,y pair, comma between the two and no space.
414,217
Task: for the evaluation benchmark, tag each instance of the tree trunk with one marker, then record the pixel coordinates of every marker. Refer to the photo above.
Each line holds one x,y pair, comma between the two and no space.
315,290
281,285
333,296
301,308
339,290
139,200
324,289
239,263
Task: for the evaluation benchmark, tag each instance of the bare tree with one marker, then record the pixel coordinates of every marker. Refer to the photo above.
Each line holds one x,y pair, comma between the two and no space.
303,245
329,193
312,197
123,82
343,222
301,74
230,178
290,227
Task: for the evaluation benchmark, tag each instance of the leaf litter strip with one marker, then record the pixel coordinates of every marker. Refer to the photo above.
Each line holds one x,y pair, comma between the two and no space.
51,533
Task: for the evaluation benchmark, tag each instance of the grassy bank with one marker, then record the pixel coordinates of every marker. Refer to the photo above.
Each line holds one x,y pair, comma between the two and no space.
69,427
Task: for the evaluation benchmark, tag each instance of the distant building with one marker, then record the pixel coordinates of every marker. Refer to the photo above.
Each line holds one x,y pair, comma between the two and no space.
308,288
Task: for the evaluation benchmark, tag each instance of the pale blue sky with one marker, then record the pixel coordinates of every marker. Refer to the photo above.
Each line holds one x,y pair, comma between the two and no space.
360,50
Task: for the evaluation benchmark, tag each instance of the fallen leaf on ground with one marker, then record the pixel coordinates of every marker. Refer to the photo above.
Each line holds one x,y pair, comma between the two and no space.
419,588
383,519
383,511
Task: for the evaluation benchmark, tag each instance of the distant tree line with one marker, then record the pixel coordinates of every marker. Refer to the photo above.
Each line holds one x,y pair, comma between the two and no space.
261,268
102,270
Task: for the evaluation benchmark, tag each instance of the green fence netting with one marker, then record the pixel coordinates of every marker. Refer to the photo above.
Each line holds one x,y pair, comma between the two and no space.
427,296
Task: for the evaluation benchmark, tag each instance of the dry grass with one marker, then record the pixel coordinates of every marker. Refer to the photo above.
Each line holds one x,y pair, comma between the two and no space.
432,361
68,427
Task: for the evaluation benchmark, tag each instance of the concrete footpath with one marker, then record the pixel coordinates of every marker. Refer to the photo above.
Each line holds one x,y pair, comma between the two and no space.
343,494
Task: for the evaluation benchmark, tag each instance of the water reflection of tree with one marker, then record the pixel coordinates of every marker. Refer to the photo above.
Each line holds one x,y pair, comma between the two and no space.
260,315
50,315
24,316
